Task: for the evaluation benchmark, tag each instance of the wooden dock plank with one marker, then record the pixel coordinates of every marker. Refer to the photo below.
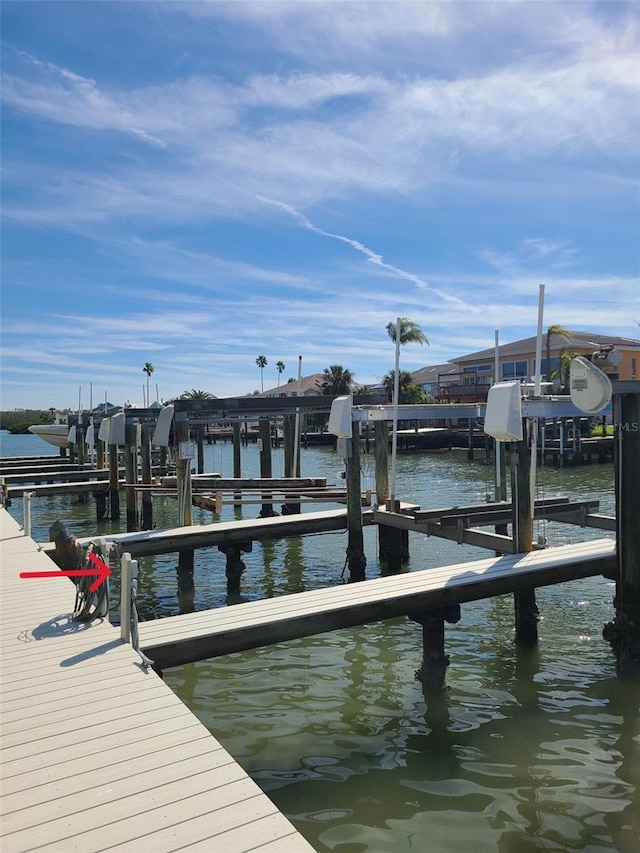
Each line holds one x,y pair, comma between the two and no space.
149,542
180,639
97,751
111,762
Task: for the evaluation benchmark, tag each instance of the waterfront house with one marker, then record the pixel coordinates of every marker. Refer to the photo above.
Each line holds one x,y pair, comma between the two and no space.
467,378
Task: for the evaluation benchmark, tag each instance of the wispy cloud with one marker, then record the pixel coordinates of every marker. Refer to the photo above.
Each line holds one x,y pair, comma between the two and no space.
288,177
373,257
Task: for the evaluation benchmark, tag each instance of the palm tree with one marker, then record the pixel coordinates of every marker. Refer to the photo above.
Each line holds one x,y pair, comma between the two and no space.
193,394
261,361
336,380
148,369
197,394
408,392
410,332
556,329
280,367
403,331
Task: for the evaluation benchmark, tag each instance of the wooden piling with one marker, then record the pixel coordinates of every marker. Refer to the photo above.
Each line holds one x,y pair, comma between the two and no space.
147,502
356,559
200,447
393,543
264,432
291,507
526,610
130,466
434,660
234,564
99,445
184,457
114,483
623,633
237,450
101,505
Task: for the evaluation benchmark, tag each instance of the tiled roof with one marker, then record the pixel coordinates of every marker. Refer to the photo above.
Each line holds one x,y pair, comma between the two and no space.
429,375
308,385
578,339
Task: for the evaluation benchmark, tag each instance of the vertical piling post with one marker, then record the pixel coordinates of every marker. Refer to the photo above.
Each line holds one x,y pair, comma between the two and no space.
391,541
101,505
130,466
80,454
200,446
434,659
99,445
623,633
234,564
26,512
264,431
147,502
183,457
237,450
126,573
291,507
114,483
526,610
289,439
470,440
356,559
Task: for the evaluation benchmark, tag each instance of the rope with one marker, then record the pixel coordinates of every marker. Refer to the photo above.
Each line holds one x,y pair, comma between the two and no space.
90,605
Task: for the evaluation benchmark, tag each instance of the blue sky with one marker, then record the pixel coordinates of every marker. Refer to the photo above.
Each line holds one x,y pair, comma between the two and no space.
198,184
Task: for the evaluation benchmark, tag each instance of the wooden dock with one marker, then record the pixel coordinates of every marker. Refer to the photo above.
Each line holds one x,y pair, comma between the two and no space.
97,752
175,539
196,636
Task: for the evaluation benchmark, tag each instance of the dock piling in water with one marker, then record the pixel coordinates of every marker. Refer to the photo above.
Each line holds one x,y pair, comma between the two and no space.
623,633
526,609
356,559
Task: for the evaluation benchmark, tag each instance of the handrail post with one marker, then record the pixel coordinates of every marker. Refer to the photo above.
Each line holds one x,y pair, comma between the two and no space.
128,566
26,512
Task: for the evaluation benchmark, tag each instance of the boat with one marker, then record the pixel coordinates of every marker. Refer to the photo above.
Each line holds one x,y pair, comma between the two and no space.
56,433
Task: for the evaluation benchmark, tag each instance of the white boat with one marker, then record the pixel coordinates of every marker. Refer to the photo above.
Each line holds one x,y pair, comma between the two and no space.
56,433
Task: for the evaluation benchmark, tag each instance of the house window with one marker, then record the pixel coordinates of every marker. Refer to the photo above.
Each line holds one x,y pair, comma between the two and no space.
547,372
515,370
477,374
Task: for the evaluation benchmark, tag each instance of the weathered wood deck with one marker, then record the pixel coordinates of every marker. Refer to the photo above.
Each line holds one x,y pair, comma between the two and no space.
227,532
206,634
99,754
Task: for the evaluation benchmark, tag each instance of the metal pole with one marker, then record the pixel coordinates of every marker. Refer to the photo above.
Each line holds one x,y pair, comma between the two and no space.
394,432
498,444
537,379
296,440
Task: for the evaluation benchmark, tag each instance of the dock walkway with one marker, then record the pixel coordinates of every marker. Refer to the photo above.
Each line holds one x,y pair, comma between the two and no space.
209,633
146,542
97,752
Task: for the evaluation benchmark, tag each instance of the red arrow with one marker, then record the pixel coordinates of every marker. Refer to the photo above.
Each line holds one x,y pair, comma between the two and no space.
103,572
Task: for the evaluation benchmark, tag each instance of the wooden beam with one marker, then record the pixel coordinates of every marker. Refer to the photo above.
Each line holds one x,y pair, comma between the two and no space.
197,636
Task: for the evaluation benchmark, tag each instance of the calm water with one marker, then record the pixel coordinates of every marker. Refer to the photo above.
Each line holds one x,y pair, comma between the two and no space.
525,752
